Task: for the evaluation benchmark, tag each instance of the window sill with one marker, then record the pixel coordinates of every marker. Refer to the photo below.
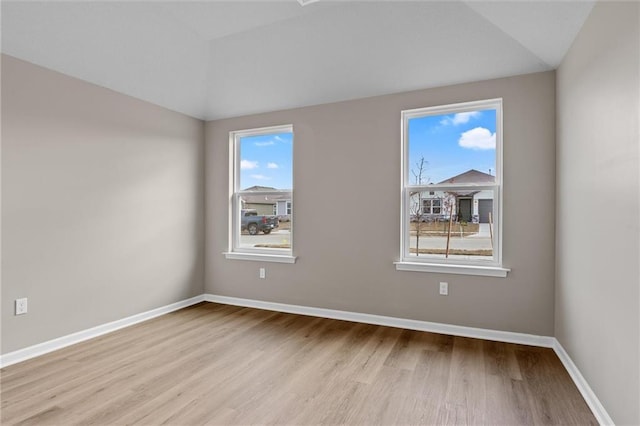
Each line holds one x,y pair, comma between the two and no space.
260,257
486,271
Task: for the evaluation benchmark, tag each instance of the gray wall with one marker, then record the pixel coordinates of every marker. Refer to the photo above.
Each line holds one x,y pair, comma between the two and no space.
348,154
102,205
598,198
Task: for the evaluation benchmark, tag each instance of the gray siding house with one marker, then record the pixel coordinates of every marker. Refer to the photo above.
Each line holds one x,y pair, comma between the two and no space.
268,203
465,206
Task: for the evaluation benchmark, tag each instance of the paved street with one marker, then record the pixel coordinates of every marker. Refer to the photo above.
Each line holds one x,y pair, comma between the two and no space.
481,240
455,243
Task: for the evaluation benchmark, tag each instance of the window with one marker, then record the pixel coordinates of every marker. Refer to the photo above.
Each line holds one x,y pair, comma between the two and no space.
452,182
431,206
261,182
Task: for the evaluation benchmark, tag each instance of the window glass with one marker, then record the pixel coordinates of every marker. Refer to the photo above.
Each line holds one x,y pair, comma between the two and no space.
452,146
266,161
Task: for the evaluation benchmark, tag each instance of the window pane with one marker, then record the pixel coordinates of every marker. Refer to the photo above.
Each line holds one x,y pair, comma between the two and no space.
431,207
266,162
465,220
259,227
452,148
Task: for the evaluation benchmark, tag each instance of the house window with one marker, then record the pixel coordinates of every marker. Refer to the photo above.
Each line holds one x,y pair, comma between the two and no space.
431,206
261,176
289,208
452,175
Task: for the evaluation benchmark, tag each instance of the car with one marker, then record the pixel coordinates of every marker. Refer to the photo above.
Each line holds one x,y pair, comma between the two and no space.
254,223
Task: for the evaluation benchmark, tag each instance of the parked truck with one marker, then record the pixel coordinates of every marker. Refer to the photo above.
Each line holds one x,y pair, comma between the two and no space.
253,223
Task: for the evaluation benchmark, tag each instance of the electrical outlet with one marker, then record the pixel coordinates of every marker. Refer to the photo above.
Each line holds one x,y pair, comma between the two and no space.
444,289
263,273
21,306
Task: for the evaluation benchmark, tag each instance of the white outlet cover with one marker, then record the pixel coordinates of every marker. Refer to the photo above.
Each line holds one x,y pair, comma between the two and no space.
21,306
444,288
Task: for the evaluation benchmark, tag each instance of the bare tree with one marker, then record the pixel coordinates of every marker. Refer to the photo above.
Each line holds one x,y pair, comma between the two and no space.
416,210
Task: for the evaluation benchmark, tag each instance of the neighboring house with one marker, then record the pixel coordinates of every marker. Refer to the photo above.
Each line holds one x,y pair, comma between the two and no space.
283,208
465,206
269,203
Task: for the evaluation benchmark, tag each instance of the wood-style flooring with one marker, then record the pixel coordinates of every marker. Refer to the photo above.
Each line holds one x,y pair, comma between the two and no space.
219,364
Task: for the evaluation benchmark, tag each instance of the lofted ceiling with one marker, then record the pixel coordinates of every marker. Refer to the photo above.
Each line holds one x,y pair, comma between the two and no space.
217,59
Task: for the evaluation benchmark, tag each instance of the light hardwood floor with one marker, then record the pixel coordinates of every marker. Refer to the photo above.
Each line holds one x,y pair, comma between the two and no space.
219,364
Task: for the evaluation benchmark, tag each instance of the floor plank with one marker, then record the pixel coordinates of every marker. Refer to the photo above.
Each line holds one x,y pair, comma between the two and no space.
219,364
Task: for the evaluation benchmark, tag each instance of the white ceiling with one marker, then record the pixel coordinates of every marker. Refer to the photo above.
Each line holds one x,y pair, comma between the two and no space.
219,59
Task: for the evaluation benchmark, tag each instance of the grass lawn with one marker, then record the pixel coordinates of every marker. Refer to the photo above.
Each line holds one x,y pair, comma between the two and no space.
282,246
478,252
440,229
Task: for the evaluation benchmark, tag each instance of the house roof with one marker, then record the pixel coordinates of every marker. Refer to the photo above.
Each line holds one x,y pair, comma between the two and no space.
471,176
260,188
265,198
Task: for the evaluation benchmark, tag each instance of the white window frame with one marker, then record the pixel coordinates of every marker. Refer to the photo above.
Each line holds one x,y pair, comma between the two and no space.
236,252
483,267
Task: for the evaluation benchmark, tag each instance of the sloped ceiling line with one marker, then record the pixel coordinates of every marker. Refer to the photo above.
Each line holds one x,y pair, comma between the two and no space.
221,59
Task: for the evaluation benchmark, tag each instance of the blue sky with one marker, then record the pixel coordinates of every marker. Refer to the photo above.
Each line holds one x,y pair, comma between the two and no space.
452,144
266,160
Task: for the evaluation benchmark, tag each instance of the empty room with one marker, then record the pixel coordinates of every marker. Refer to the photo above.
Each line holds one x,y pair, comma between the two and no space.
299,212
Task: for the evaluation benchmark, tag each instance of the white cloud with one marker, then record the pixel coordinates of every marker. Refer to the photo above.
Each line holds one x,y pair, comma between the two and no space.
478,138
460,118
272,166
248,165
464,117
273,141
260,177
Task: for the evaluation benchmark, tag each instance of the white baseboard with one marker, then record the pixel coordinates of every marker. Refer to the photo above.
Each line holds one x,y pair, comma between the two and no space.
583,386
455,330
71,339
433,327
